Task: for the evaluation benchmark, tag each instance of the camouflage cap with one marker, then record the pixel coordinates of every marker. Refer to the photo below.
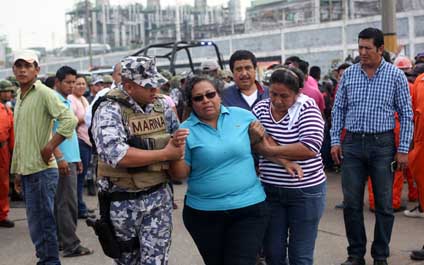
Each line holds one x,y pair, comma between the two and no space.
166,74
107,79
142,71
6,85
175,81
96,79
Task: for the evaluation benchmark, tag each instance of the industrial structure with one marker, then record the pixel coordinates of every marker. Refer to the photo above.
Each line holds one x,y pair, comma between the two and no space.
135,25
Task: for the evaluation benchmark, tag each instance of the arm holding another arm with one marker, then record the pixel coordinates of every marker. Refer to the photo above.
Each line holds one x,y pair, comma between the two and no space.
178,169
262,145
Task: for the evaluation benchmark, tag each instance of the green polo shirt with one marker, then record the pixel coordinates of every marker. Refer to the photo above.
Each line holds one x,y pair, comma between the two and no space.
33,116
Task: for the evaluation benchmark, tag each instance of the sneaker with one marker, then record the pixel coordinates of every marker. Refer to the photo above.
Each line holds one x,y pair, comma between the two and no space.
79,251
415,212
417,254
6,223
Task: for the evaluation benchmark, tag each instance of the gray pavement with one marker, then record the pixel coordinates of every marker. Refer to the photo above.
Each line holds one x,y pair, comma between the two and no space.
408,234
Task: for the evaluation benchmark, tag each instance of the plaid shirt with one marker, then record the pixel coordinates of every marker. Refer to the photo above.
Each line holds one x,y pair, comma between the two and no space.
368,105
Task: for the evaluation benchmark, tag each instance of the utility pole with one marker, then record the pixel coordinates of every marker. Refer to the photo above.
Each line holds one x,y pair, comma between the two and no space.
88,32
388,8
177,21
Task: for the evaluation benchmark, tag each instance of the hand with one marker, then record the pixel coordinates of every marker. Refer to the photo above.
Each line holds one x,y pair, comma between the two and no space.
63,168
293,169
266,147
336,154
256,132
173,152
47,153
402,161
180,136
80,167
18,183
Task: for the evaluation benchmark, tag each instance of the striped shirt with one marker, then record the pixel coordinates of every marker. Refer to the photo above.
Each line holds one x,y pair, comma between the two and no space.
34,115
368,105
308,129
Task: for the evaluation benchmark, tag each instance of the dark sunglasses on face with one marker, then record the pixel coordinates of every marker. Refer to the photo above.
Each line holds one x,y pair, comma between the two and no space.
209,95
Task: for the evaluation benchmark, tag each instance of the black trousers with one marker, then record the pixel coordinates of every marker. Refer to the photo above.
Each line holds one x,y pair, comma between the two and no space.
232,237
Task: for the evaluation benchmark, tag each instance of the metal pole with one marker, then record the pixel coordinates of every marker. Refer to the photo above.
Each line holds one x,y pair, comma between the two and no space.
104,22
388,8
177,21
88,32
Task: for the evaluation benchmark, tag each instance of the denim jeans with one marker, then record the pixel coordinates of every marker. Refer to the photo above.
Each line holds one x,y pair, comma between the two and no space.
39,190
293,227
368,155
85,153
231,237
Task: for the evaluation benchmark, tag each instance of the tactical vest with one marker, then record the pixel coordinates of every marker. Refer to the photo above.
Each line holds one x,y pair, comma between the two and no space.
147,131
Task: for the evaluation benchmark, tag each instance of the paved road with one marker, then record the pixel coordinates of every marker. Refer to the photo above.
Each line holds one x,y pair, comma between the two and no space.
408,234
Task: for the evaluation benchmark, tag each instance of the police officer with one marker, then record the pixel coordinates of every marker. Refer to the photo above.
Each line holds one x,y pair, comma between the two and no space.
6,148
131,129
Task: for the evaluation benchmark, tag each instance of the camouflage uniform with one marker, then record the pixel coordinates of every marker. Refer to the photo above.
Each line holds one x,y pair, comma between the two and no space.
149,217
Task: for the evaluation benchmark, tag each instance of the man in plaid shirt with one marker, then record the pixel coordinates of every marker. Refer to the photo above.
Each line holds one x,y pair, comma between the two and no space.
369,94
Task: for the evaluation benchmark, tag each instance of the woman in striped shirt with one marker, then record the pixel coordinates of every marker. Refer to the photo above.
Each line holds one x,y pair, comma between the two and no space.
295,127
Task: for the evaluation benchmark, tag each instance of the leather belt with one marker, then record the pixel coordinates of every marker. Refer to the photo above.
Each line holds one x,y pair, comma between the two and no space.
124,196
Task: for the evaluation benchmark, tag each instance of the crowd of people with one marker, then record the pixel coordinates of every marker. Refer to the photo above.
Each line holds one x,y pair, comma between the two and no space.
254,152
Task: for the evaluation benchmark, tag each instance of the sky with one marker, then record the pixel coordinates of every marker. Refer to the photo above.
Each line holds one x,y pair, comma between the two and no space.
28,23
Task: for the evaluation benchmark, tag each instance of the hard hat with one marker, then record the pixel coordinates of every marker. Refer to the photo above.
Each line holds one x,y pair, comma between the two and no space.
403,62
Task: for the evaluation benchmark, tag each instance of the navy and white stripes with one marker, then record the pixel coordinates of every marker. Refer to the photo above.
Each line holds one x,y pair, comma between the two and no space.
308,130
365,105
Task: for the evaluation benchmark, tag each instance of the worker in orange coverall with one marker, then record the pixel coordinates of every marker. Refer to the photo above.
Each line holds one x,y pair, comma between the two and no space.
6,148
405,65
416,155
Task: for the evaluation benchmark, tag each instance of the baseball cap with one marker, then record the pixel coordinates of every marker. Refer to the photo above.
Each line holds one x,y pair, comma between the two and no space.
142,71
209,65
96,80
29,56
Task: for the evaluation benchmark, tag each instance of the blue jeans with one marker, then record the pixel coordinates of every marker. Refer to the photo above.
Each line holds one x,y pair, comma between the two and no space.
295,215
39,190
368,155
85,153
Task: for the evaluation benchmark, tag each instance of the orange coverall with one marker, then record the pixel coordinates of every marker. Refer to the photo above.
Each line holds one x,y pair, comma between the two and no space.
6,147
399,176
416,155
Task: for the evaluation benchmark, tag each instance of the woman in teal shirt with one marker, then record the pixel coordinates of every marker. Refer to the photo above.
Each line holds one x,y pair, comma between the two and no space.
225,210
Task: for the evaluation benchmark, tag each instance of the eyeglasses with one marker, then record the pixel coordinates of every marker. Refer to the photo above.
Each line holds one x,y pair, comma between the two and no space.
209,95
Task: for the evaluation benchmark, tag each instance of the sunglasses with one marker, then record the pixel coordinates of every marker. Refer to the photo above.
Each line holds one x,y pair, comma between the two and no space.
209,95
